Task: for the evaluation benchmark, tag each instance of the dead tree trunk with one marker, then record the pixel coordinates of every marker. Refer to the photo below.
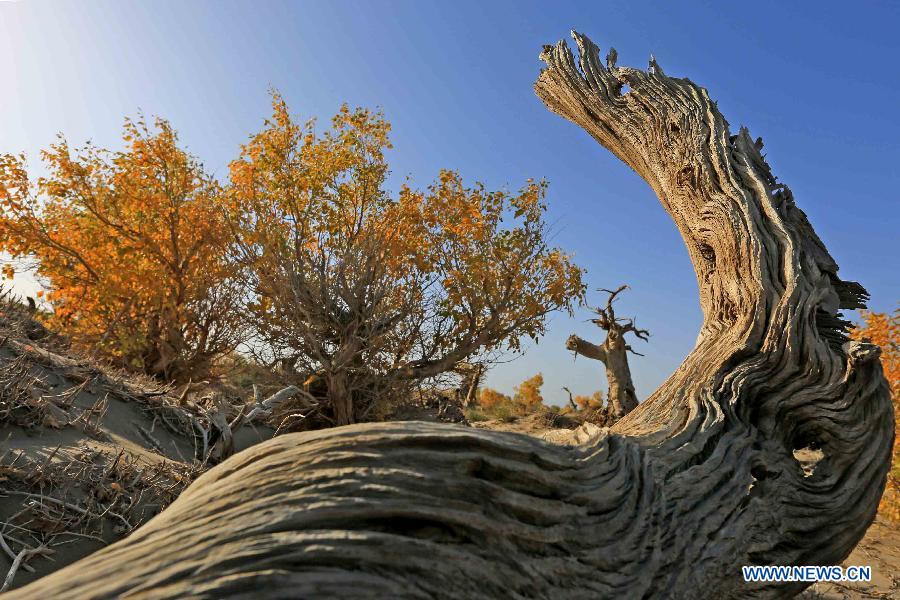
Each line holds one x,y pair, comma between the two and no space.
613,353
695,482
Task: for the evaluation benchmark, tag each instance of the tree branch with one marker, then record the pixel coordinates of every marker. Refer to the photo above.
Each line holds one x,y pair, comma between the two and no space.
585,348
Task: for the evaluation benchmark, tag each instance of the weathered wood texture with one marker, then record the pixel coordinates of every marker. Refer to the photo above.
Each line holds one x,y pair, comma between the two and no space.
696,481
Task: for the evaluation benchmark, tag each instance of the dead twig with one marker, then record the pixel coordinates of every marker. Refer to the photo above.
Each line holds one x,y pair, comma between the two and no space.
148,437
23,555
12,554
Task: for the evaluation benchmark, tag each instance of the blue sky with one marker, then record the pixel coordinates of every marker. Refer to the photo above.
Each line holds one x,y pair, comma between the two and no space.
818,81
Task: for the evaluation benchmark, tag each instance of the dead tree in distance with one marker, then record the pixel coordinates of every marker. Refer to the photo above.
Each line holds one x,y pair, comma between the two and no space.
613,353
698,480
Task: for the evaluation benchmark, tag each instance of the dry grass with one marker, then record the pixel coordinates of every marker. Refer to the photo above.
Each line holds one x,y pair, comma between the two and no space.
87,453
79,501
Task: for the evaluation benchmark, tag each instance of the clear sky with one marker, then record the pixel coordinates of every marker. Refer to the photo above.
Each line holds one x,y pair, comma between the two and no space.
819,81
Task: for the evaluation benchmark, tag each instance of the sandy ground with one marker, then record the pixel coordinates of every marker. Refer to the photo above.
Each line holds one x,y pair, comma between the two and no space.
82,463
880,549
87,454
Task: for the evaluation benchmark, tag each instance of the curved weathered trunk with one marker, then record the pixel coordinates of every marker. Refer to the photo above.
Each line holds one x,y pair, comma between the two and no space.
697,481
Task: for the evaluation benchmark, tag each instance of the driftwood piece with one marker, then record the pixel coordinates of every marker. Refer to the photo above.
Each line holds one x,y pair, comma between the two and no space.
223,431
265,407
697,481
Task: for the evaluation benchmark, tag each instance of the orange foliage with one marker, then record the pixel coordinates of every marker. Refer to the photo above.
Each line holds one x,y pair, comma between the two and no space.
347,274
592,402
526,400
149,261
131,247
884,330
528,394
490,399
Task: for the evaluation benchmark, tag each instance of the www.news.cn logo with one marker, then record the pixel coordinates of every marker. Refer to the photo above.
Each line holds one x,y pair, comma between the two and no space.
807,573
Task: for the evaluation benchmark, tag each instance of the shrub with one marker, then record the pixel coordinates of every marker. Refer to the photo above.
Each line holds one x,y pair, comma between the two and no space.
132,247
375,290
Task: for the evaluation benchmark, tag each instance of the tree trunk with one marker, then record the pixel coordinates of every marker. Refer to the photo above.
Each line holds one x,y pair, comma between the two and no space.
618,377
340,398
698,480
613,353
614,356
471,376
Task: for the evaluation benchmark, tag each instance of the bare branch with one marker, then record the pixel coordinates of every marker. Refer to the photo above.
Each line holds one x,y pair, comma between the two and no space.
571,399
585,348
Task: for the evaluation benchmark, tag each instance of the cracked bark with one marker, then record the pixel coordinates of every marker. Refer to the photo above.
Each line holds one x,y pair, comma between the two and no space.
698,480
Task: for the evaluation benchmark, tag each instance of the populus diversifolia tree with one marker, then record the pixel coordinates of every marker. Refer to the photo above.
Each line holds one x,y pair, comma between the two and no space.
698,480
372,291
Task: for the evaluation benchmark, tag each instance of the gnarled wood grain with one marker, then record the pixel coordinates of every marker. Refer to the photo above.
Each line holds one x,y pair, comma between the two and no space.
697,481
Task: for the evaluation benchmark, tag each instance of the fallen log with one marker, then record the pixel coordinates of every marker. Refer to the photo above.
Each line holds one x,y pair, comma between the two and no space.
698,480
